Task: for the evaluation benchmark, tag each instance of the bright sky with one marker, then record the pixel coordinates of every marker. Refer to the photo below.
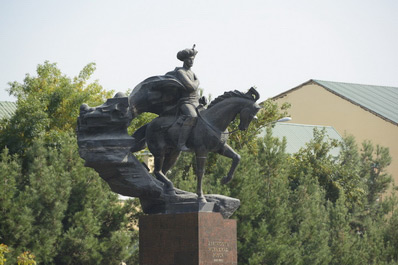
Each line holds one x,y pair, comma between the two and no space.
274,45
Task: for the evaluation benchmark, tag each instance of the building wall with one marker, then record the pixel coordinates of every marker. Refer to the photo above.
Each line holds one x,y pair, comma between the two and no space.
149,160
313,104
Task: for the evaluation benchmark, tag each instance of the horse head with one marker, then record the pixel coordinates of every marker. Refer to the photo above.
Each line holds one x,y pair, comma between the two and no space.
248,113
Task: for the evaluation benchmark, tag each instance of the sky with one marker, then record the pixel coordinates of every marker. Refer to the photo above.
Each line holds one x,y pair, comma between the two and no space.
273,45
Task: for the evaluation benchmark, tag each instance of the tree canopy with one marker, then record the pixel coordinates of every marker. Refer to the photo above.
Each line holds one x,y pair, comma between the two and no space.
50,203
308,207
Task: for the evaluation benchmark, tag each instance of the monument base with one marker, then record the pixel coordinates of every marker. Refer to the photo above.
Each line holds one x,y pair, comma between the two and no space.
200,238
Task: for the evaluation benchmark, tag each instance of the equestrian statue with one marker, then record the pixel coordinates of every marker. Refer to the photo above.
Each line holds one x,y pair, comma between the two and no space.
184,124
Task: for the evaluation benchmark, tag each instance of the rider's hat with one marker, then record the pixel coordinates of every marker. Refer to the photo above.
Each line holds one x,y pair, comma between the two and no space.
184,54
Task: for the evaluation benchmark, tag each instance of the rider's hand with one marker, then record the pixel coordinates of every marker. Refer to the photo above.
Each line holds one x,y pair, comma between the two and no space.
203,101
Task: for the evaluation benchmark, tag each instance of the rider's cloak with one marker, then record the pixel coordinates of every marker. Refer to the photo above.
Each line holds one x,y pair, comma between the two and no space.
156,94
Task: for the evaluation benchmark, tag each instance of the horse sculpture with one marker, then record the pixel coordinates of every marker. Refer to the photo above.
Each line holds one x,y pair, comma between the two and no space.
209,135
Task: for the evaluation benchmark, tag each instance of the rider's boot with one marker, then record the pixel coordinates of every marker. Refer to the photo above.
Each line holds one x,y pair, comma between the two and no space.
186,129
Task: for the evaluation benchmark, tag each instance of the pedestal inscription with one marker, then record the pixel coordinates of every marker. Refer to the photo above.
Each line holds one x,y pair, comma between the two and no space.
219,250
189,238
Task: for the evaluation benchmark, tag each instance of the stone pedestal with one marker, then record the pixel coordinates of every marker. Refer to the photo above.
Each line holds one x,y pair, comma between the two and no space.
200,238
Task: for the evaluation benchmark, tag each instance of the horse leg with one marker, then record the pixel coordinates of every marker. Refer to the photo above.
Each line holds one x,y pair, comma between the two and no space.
227,151
170,159
168,185
200,171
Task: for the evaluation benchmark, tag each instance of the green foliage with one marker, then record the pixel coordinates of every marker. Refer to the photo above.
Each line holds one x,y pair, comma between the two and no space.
347,173
315,160
391,234
373,164
306,208
26,258
265,191
141,120
48,104
3,249
64,213
269,112
50,203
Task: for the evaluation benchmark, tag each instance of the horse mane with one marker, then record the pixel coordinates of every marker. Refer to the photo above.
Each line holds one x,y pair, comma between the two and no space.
226,95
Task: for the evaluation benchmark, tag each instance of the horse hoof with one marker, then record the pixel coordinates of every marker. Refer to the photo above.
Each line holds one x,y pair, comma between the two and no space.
170,191
184,148
202,199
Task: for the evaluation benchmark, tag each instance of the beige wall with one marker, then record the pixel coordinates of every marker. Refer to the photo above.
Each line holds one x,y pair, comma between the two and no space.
149,160
313,104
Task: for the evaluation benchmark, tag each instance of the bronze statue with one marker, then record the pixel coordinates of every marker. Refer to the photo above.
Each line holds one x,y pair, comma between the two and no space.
184,124
189,98
209,135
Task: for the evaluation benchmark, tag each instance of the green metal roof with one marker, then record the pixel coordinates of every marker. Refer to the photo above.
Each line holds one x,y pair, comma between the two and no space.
298,135
380,100
7,109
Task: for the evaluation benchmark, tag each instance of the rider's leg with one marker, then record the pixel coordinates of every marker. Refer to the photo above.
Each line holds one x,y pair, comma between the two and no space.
186,128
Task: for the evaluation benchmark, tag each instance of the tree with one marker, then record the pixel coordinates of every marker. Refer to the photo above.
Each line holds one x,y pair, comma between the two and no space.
315,160
50,203
262,186
65,213
305,208
373,168
310,207
391,234
48,106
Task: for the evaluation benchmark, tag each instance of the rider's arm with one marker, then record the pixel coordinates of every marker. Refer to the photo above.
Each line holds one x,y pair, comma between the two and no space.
190,85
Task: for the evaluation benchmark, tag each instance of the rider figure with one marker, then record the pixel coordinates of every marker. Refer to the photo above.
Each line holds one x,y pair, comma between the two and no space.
189,99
